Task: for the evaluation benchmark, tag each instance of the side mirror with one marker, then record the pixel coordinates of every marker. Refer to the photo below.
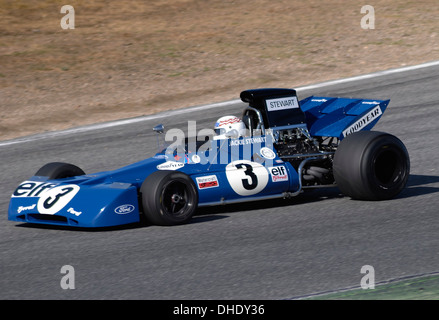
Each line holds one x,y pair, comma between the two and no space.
160,128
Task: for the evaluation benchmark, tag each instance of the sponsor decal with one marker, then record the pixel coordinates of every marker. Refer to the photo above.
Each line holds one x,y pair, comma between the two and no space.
32,189
282,104
278,173
370,102
170,165
73,211
267,153
319,100
207,182
22,208
245,141
125,209
364,121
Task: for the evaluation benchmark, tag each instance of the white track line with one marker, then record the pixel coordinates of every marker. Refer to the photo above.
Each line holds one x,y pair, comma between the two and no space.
370,75
161,115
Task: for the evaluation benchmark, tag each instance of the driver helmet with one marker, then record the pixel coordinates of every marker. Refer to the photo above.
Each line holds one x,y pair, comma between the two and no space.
229,127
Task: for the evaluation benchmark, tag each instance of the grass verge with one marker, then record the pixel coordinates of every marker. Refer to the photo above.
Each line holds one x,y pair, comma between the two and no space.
416,288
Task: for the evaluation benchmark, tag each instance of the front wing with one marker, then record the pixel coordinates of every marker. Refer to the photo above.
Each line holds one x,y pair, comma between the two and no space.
48,202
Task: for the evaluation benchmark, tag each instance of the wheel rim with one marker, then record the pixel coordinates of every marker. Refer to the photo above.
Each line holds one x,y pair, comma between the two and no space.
176,199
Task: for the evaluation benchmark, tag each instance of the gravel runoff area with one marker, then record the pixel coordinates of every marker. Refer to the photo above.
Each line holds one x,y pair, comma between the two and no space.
126,59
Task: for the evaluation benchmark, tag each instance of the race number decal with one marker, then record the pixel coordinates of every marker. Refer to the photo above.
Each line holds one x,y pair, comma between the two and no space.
56,198
246,178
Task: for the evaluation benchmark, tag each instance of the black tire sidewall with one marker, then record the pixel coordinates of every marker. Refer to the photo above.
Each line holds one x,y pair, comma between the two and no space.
379,190
151,191
355,161
59,170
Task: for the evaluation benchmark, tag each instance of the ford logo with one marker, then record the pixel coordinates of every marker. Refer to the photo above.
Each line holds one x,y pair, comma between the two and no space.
124,209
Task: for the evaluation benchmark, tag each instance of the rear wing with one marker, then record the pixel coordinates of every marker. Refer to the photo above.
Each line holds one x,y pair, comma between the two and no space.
339,117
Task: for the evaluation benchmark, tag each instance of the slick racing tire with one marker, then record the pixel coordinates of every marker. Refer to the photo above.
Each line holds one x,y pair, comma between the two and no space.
59,170
168,198
371,165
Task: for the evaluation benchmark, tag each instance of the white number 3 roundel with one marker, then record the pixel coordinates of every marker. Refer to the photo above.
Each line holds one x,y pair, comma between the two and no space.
246,178
57,198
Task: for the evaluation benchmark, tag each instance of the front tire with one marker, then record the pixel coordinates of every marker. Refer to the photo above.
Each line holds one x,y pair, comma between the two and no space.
59,170
371,165
168,198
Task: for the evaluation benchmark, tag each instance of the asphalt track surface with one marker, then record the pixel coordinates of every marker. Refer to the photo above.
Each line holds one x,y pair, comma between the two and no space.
279,249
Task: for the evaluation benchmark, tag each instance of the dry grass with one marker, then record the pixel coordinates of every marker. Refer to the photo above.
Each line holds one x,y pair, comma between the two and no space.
129,58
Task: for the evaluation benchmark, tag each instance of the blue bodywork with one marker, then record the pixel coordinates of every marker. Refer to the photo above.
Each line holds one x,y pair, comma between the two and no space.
330,117
227,171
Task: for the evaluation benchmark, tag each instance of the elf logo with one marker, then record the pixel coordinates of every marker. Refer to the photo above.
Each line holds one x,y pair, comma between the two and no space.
32,189
278,173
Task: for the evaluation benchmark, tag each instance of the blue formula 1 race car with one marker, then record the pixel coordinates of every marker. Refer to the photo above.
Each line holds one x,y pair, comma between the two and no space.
280,147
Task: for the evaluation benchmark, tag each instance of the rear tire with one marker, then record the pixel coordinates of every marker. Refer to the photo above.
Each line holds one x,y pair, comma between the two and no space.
59,170
371,165
168,198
